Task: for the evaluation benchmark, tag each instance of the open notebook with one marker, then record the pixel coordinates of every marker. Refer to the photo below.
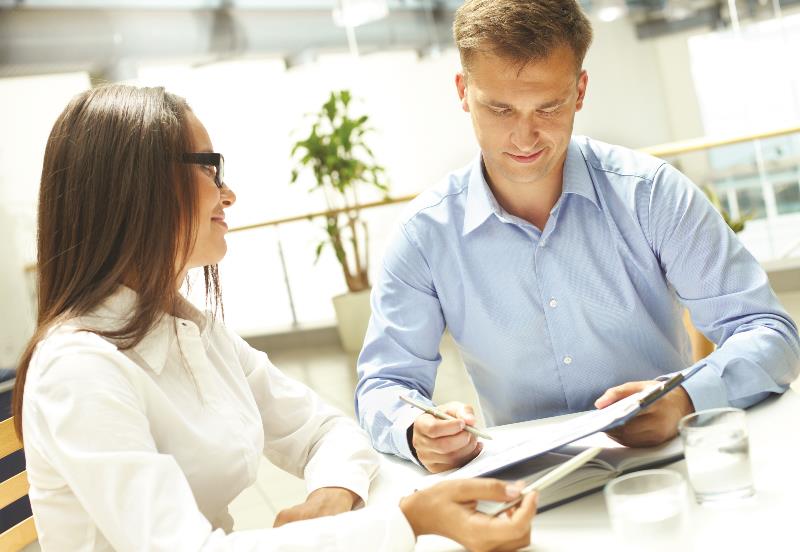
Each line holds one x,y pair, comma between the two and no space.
613,461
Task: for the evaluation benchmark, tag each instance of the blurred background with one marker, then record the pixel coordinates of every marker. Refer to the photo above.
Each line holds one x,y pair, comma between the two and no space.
711,85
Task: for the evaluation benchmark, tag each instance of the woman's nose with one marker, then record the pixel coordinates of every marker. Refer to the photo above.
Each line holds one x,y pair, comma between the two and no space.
227,195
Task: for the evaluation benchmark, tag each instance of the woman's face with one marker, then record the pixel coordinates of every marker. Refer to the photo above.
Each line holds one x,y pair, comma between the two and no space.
209,247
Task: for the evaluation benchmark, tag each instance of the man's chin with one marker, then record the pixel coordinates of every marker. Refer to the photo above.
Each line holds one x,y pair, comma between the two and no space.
524,178
514,173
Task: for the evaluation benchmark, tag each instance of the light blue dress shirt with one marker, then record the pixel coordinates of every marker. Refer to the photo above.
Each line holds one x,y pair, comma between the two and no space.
547,320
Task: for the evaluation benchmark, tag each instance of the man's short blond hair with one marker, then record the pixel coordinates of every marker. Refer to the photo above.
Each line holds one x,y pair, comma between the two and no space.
521,31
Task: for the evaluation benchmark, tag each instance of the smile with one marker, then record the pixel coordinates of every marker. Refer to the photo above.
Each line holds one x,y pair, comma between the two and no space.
526,158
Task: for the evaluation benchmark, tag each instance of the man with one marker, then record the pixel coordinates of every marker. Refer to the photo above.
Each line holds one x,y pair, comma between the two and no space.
559,264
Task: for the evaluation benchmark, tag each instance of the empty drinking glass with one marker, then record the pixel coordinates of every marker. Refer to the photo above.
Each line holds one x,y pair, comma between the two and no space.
717,453
648,510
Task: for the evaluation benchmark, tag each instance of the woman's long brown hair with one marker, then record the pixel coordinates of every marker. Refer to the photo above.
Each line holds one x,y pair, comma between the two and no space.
115,205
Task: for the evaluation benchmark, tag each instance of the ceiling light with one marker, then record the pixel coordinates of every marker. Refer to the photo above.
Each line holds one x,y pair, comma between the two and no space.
610,10
678,9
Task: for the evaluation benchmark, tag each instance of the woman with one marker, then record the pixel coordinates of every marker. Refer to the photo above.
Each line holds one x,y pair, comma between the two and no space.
143,417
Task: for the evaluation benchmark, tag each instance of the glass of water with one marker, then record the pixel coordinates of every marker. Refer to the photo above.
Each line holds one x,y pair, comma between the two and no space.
648,510
717,453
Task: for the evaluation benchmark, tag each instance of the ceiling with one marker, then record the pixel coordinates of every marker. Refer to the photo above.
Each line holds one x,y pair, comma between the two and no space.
109,37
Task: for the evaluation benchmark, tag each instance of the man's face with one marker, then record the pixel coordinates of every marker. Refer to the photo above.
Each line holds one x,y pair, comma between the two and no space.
523,118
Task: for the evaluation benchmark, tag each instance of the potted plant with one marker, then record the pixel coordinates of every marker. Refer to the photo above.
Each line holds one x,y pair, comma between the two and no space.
336,152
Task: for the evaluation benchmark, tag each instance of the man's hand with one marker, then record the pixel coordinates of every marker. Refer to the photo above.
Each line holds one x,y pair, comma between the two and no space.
448,509
327,501
443,444
655,424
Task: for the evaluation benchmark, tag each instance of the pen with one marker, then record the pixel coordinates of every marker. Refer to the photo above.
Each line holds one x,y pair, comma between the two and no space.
443,416
661,390
546,480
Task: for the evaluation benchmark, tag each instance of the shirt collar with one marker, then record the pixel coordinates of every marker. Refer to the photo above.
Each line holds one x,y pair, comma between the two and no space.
481,203
577,179
155,346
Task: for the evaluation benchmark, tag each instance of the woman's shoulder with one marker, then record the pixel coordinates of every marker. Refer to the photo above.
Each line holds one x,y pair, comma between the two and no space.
74,333
70,340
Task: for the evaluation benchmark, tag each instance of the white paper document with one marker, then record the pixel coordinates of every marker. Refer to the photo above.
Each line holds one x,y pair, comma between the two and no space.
501,453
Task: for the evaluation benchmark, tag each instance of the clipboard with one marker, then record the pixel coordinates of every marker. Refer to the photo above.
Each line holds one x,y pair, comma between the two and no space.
553,436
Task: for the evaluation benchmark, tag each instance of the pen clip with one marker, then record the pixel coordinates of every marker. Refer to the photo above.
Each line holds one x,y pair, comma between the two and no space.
661,390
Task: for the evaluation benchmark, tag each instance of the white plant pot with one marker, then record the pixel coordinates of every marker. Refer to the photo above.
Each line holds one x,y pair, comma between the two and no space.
352,315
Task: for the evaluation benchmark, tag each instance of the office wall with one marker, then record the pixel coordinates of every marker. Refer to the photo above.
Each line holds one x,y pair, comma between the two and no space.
28,108
627,101
680,96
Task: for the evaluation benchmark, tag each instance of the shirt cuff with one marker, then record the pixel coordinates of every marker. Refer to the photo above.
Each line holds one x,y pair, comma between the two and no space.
403,420
706,388
345,477
399,534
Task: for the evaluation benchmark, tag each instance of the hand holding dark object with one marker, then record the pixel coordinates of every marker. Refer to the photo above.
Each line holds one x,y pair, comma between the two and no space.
655,424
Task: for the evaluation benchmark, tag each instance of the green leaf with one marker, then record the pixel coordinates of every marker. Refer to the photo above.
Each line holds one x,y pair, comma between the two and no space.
330,107
320,246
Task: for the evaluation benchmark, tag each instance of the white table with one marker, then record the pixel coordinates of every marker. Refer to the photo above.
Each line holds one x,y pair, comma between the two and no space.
768,522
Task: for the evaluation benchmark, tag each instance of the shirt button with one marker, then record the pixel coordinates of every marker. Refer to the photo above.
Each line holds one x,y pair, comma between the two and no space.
542,242
567,359
553,303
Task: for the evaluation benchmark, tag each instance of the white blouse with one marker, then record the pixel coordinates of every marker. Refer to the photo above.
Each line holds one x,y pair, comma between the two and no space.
143,450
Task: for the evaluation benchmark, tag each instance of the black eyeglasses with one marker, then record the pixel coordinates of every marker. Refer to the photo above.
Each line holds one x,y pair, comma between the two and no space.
211,160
